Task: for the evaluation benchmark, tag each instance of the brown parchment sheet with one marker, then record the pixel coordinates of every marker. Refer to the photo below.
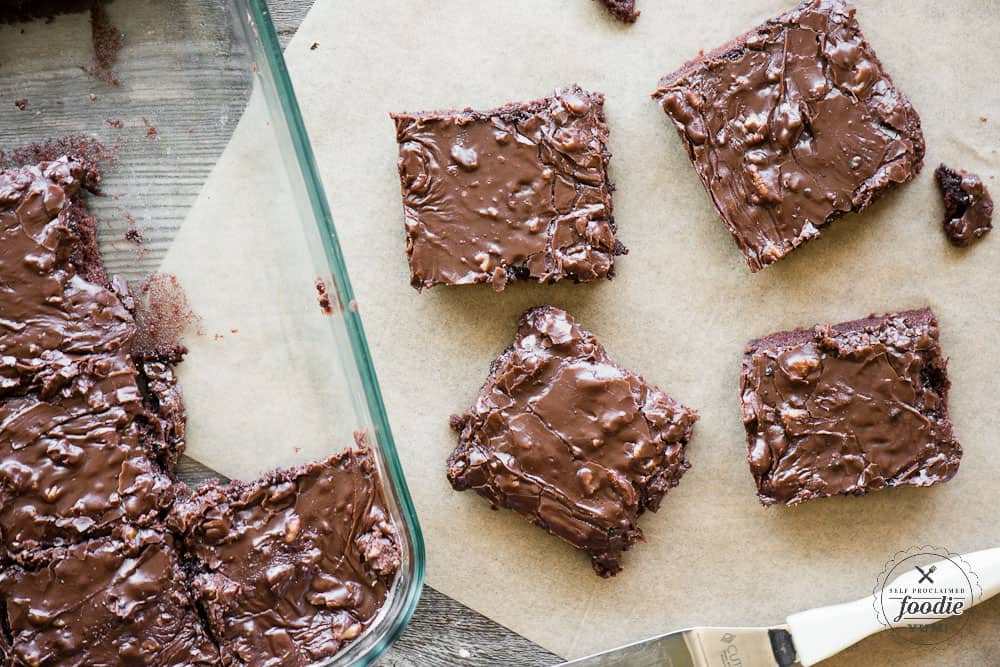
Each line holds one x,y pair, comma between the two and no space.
679,311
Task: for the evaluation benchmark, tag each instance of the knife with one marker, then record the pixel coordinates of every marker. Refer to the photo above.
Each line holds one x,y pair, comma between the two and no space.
814,635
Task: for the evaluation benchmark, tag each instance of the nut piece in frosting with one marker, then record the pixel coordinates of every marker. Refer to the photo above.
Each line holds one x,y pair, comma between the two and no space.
967,203
848,409
294,565
515,193
569,440
791,126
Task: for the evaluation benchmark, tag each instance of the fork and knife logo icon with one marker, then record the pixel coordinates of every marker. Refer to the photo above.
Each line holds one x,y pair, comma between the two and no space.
925,575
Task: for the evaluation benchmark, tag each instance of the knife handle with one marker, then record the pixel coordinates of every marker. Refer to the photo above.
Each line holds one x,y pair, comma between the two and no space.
821,633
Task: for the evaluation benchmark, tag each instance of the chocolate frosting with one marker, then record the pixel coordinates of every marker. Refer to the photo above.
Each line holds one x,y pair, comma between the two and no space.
108,601
573,442
791,126
292,566
77,439
516,192
847,409
50,316
968,205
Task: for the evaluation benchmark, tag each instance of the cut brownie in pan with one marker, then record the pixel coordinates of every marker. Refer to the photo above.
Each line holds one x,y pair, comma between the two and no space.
570,440
967,203
519,192
791,126
107,601
78,447
623,10
292,566
76,463
848,409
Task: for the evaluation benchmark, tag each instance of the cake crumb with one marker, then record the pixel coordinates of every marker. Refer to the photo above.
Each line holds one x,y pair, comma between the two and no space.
116,123
312,47
234,331
108,42
982,119
324,297
151,130
163,315
133,233
93,97
21,104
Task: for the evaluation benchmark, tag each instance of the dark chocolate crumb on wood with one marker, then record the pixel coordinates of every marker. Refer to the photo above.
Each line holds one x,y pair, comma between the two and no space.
21,104
108,42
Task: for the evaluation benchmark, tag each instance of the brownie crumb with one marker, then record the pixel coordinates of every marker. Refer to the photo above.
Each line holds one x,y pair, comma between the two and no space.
21,104
324,297
967,203
116,123
163,315
108,42
847,409
151,130
90,153
312,47
623,10
133,233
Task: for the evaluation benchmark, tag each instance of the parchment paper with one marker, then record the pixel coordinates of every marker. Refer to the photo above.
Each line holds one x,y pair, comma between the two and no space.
679,312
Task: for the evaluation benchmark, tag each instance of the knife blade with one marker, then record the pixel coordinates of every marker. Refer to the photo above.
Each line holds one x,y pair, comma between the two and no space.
702,647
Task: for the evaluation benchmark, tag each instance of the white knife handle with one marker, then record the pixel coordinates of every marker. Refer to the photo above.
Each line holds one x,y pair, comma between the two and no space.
821,633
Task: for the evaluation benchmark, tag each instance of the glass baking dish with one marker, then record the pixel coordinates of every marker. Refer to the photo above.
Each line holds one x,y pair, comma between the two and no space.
214,168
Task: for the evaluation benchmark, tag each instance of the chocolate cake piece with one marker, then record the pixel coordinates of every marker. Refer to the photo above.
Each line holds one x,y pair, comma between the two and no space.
847,409
967,204
791,126
519,192
623,10
293,566
76,463
53,310
108,601
569,440
78,447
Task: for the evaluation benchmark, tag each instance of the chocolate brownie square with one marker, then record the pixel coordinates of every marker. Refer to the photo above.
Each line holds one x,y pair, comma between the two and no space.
847,409
293,566
109,601
569,440
791,126
519,192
